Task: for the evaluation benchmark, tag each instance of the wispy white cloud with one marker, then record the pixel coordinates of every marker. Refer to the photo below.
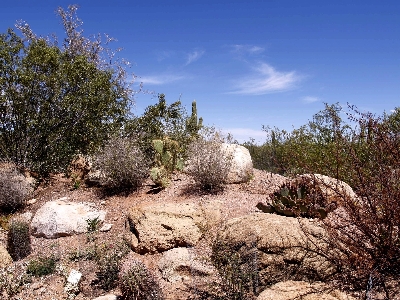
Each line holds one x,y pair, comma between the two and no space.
161,55
267,80
244,134
193,56
310,99
250,49
160,79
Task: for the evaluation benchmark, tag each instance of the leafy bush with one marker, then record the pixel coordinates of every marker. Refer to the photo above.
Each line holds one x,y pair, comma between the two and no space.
122,163
19,239
58,100
42,266
136,282
207,162
14,189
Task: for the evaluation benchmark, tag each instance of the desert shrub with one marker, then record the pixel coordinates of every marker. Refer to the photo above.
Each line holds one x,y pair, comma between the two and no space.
136,282
238,269
122,163
42,266
108,259
12,279
19,239
207,162
14,189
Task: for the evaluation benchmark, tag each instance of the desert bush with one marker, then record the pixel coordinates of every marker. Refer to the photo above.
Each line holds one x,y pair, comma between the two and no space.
122,163
207,162
108,259
19,239
42,266
237,268
136,282
14,189
12,279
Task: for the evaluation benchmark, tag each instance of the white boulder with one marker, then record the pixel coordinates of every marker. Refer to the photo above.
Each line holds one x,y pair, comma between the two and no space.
62,218
241,169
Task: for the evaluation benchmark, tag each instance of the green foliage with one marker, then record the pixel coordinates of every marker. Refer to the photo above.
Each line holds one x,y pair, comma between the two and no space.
57,101
14,188
312,148
136,282
238,269
167,160
19,239
122,164
42,266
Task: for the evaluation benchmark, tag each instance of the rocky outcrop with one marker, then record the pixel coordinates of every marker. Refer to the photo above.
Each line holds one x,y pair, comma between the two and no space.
5,258
62,218
181,265
292,290
287,248
241,169
160,227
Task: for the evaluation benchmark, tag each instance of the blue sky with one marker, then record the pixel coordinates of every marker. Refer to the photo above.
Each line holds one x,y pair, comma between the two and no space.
246,63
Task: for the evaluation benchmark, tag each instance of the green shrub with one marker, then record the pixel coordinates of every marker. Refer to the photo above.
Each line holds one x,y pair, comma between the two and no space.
122,164
42,266
14,189
207,163
19,239
136,282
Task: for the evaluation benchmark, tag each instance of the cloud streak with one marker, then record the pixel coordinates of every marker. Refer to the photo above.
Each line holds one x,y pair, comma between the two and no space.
193,56
160,79
250,49
310,99
267,80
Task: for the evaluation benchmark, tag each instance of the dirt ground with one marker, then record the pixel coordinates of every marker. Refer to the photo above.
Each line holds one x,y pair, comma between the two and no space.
237,199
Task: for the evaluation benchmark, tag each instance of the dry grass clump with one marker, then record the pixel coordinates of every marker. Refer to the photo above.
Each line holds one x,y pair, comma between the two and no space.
207,163
122,164
14,189
137,282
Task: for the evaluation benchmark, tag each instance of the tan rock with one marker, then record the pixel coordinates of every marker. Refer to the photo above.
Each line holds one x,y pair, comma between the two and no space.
5,258
288,248
160,227
292,290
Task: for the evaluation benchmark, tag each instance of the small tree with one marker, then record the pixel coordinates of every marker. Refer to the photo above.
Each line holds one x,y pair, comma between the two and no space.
57,101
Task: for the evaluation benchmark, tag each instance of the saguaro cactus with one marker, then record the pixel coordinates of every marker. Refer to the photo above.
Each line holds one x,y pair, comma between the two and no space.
193,124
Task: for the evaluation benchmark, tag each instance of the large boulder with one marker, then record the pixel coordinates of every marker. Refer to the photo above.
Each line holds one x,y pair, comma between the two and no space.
287,248
181,264
62,218
160,227
5,258
292,290
241,169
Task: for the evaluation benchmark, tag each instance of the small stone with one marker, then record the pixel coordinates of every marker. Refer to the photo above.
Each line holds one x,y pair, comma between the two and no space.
107,297
74,277
32,201
106,227
103,203
63,199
